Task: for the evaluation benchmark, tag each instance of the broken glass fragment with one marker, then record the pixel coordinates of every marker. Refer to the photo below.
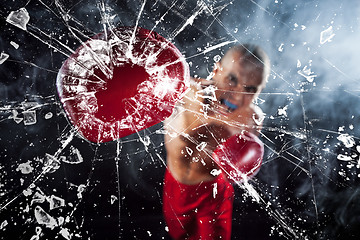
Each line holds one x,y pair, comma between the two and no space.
19,18
29,117
56,202
3,57
25,168
44,218
326,35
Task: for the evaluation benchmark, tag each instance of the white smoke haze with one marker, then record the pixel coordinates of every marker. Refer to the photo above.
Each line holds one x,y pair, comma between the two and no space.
307,187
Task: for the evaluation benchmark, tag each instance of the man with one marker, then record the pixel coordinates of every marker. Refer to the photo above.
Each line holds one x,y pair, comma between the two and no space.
197,200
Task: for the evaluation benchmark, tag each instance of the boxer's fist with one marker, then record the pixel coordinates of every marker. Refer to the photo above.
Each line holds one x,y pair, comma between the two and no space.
121,82
240,156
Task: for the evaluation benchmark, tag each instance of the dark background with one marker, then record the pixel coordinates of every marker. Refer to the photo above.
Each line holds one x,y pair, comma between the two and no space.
306,191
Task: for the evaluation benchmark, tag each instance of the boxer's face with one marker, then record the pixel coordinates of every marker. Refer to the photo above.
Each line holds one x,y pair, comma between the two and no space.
237,82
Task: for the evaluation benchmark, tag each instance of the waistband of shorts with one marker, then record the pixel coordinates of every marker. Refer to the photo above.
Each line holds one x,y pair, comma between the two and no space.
217,179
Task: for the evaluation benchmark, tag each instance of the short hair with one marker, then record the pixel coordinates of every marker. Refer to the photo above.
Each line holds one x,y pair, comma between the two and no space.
253,54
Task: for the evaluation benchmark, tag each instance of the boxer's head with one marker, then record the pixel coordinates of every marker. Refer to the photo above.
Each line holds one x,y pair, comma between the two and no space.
240,76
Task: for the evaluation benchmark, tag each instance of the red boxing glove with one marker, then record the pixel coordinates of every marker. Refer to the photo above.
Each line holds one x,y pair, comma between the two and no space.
121,81
240,157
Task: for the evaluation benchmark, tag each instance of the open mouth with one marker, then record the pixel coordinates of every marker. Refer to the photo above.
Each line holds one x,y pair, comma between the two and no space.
228,106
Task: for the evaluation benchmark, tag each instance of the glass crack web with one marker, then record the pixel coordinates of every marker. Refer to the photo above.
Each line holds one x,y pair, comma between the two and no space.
53,183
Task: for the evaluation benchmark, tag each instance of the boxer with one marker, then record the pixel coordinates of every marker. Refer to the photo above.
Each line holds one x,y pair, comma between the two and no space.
197,200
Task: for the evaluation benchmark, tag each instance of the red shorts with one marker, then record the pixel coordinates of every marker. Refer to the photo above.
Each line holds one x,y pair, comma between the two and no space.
201,211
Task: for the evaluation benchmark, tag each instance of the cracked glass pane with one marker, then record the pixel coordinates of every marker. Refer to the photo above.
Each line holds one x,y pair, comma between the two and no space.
86,141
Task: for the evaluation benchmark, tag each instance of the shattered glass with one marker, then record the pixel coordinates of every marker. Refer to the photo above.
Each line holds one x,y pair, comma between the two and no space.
56,184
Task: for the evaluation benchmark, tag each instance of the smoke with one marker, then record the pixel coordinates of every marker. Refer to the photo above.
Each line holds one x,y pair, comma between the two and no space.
290,33
313,89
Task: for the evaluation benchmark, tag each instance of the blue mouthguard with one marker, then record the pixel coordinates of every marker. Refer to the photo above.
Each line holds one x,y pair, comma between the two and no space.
230,105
